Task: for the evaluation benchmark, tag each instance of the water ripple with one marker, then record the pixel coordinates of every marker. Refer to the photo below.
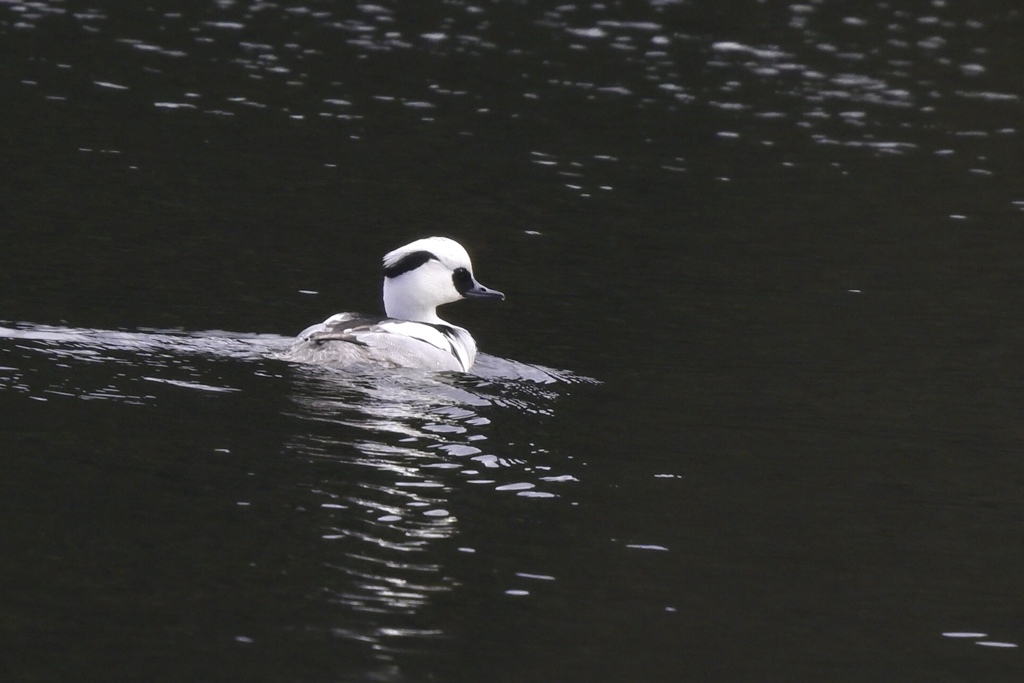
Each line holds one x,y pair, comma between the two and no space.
398,455
819,72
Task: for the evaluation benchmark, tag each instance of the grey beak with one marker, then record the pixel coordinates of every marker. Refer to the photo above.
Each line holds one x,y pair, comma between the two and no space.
478,291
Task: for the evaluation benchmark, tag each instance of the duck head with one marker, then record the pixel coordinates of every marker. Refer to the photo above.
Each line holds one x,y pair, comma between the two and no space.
427,273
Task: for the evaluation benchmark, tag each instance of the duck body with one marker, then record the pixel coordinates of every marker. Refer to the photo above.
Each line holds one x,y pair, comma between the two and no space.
418,278
350,339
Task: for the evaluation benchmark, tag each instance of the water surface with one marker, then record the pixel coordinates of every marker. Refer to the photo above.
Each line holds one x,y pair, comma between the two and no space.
783,238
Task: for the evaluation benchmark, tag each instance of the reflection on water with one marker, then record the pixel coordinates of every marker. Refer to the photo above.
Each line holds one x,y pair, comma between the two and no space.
406,443
441,423
783,233
130,360
980,639
878,76
392,448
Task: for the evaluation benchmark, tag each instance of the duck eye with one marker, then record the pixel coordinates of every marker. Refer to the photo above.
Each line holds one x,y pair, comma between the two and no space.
462,280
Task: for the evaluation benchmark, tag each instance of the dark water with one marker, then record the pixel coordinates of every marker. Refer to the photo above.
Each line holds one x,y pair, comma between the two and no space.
786,239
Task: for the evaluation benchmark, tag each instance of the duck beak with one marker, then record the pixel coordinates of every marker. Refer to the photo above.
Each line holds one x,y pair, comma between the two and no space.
478,291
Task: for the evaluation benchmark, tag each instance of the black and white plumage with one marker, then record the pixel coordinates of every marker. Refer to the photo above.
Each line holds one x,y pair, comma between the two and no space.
418,278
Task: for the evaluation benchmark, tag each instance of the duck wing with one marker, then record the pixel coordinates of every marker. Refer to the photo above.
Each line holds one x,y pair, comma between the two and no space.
357,329
342,327
403,342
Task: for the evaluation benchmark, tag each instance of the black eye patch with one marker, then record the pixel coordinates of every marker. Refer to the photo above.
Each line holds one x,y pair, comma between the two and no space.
462,280
410,261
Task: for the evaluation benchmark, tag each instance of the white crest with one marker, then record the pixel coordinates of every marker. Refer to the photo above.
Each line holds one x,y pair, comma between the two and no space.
446,250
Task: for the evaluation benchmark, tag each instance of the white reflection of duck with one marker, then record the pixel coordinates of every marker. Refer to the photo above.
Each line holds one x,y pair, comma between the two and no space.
418,278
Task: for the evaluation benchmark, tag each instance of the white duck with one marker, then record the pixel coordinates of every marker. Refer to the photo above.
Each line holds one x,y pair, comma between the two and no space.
418,278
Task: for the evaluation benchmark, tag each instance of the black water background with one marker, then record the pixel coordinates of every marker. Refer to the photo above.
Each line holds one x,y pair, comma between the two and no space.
801,295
